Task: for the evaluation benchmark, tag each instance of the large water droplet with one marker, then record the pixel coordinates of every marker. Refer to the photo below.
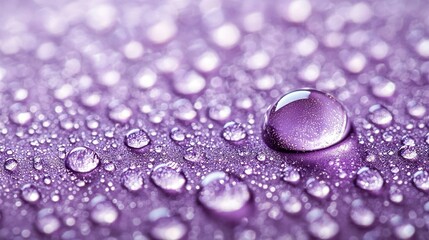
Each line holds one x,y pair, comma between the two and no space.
369,179
82,160
305,120
132,180
421,180
103,211
224,195
168,179
361,215
137,139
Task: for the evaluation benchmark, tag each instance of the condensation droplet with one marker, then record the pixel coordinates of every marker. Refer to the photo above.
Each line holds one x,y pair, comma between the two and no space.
169,179
47,222
380,116
137,139
305,120
369,179
103,211
82,160
132,180
233,132
421,180
30,193
316,188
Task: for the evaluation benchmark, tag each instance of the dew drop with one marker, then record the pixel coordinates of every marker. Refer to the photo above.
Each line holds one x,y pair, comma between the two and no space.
47,222
120,113
132,180
404,231
305,120
421,180
316,188
369,179
103,211
30,193
166,227
380,116
167,178
219,112
11,164
408,152
321,225
361,215
137,139
82,160
233,132
291,204
177,135
224,195
190,83
291,175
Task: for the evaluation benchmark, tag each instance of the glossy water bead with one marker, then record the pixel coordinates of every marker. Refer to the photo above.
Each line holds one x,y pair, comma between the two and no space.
305,120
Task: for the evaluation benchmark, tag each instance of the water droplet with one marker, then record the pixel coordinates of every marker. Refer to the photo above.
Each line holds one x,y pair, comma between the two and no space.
120,113
291,174
11,164
30,193
382,88
395,194
219,112
226,36
47,222
224,195
380,116
369,179
137,139
166,227
132,180
321,225
184,110
190,83
297,11
193,155
82,160
408,152
168,179
404,231
316,188
305,120
103,211
421,180
416,110
361,215
291,204
177,135
233,132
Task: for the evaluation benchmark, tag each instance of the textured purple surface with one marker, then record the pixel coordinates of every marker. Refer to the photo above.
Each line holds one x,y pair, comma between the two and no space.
169,98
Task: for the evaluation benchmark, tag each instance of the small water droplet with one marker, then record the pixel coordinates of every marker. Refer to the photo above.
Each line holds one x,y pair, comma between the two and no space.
305,120
224,195
321,225
132,180
82,160
168,179
11,164
120,113
421,180
404,231
291,204
361,215
103,211
316,188
380,116
369,179
164,226
30,193
177,134
47,222
291,174
137,139
233,132
408,152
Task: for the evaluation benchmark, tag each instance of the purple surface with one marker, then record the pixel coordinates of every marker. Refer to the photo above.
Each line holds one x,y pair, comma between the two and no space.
197,77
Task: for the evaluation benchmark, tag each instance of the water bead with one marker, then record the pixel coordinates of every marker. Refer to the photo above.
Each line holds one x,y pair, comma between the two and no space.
322,225
30,193
82,160
137,139
164,226
47,222
369,179
167,178
291,175
421,180
233,132
132,180
380,115
316,188
11,164
103,211
224,195
408,152
305,120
